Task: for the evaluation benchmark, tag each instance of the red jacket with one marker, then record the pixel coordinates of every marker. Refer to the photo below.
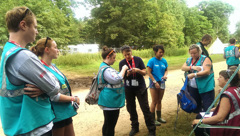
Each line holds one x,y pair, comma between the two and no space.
233,118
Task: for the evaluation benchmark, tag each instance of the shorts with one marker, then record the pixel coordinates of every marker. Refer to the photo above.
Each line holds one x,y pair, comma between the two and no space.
62,123
152,85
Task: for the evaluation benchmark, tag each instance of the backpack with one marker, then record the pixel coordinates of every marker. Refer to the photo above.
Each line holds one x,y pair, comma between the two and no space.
95,89
185,100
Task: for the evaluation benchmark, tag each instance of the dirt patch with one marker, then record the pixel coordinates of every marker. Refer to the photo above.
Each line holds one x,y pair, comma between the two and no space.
80,82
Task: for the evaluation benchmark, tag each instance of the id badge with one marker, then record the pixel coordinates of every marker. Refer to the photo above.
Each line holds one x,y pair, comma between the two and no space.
134,82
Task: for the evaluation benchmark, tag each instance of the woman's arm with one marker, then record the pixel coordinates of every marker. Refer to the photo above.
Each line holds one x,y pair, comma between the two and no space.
165,74
137,70
223,111
112,76
149,72
207,65
187,68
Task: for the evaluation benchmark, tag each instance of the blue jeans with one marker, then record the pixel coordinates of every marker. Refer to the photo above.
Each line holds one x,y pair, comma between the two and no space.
204,100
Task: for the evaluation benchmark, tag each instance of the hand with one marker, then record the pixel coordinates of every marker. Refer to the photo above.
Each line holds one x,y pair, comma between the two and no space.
32,90
77,100
195,121
129,72
191,76
164,77
197,68
125,67
135,70
157,85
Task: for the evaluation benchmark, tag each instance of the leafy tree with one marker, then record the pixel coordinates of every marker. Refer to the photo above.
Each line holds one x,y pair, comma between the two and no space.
196,25
55,19
218,13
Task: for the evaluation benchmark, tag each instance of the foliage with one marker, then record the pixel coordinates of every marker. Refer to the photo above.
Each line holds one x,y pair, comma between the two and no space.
55,19
196,25
140,24
218,13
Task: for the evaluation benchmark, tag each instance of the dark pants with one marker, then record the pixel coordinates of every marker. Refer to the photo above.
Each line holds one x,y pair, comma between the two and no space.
200,131
110,121
49,133
142,97
232,65
204,100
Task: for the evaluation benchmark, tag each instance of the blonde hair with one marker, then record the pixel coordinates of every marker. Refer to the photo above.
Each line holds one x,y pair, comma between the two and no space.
39,48
195,46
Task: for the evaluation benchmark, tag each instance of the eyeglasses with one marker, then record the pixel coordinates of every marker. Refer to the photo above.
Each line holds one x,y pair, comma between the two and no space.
45,45
25,13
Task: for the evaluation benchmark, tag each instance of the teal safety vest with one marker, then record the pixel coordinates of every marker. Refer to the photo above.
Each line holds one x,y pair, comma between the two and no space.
62,110
20,113
230,56
111,96
204,83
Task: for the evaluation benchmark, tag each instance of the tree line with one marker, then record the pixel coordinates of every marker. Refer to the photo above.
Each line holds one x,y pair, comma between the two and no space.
140,23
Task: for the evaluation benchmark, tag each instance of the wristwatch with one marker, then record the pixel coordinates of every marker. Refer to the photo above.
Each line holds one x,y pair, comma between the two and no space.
154,81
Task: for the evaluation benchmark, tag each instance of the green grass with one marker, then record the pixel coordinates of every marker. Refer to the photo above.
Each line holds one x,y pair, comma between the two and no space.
174,62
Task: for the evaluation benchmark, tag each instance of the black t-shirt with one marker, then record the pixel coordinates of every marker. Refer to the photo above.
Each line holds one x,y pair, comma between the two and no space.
138,64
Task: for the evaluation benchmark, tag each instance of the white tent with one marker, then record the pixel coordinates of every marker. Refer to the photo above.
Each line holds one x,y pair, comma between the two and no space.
84,48
217,47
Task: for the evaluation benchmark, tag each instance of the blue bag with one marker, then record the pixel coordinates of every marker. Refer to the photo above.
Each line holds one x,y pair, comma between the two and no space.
185,100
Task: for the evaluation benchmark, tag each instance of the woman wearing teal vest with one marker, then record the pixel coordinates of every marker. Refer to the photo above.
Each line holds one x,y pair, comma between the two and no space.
112,95
47,49
201,78
21,114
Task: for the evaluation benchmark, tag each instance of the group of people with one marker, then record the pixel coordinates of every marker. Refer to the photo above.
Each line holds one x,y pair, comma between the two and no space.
35,96
36,99
132,71
199,70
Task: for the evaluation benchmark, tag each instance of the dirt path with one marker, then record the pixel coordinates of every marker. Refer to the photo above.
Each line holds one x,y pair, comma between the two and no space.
89,120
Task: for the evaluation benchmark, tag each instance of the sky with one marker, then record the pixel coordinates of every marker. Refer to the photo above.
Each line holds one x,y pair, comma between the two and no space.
82,11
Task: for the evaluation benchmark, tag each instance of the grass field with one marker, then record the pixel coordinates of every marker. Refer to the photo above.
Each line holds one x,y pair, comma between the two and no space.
174,62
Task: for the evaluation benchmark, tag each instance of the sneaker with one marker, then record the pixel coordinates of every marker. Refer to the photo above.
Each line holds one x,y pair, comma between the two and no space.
133,132
161,120
157,123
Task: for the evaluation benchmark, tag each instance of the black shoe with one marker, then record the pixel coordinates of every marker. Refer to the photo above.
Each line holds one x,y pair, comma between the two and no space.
152,134
133,132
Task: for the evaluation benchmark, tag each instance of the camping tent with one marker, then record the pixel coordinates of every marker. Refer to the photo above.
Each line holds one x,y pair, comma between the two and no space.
217,47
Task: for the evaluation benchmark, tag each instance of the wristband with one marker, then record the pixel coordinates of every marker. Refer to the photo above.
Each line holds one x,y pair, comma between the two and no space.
190,68
195,74
72,99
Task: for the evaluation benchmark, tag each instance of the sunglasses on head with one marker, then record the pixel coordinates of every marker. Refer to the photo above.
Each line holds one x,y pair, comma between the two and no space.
45,45
25,13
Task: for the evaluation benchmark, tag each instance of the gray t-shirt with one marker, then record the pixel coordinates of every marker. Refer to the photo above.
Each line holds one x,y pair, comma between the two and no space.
25,67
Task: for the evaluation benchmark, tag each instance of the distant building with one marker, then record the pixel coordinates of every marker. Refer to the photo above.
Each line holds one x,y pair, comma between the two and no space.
84,48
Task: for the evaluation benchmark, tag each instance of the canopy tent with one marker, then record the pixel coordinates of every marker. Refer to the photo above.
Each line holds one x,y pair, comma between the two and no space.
217,47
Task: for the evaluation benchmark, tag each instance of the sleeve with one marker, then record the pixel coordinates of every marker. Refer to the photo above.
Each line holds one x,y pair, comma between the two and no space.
141,64
150,64
33,72
112,76
237,54
166,63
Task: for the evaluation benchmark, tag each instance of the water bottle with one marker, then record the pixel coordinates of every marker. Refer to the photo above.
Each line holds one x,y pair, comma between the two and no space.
162,85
